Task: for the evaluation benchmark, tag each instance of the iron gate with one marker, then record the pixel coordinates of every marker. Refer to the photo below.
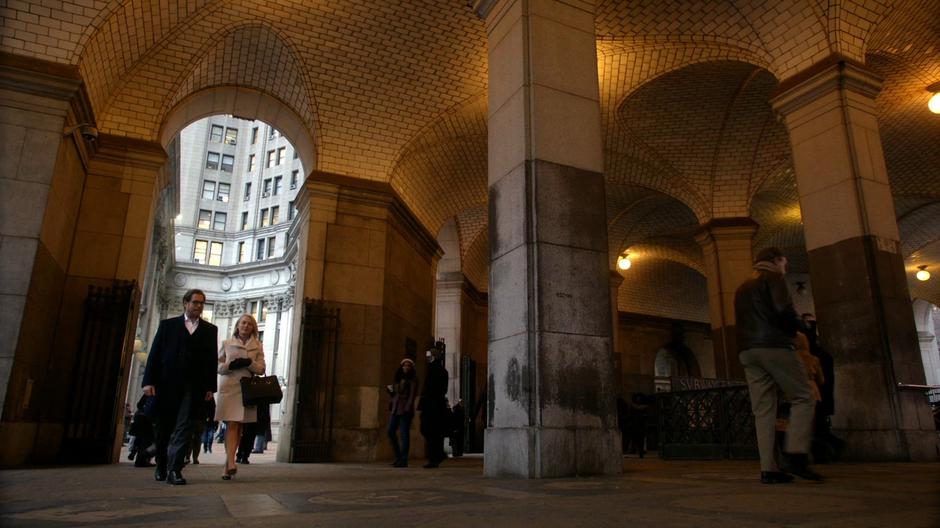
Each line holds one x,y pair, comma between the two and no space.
96,396
706,424
315,384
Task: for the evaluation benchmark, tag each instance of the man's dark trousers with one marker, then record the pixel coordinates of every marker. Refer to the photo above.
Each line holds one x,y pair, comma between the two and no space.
174,430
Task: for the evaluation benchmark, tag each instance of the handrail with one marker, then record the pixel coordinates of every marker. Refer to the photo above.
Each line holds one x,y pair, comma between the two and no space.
915,386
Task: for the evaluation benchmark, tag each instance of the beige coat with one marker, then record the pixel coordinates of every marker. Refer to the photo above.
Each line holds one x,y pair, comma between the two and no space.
228,400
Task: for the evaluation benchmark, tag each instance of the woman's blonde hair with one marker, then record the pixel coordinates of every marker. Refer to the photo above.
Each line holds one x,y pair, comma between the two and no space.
254,325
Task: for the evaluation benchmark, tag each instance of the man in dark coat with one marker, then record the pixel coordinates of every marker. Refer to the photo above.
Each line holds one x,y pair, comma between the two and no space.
181,374
433,406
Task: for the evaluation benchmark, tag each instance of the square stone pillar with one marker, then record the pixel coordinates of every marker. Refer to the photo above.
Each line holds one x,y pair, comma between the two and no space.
363,252
859,285
551,393
726,246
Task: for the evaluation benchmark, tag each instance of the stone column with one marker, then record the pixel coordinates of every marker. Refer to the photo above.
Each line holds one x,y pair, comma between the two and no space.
860,289
726,247
447,319
551,393
616,279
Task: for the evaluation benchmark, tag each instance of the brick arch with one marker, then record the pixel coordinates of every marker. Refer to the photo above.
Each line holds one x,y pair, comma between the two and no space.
442,170
649,281
246,103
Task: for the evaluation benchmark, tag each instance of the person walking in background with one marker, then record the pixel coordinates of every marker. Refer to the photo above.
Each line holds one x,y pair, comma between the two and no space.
262,429
241,356
141,434
205,416
766,326
433,406
458,428
180,374
401,409
826,446
209,432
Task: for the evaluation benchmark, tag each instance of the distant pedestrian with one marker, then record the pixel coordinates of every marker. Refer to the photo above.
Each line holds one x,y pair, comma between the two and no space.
766,326
401,410
433,406
458,428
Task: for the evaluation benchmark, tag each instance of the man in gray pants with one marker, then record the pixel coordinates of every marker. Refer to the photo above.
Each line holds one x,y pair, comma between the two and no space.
766,325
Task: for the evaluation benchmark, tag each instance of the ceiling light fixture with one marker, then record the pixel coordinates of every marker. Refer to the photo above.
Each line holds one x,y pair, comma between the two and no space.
934,103
923,274
623,262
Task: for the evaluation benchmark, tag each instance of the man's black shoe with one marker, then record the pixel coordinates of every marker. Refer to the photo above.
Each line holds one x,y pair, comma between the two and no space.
175,478
159,474
775,477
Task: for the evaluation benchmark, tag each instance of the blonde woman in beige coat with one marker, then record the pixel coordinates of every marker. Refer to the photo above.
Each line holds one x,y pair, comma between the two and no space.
240,357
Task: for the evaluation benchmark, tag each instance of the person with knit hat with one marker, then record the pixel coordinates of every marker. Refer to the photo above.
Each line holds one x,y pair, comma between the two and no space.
402,410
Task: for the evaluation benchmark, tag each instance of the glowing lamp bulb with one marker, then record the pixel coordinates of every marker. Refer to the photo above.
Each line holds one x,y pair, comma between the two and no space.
624,263
934,103
923,274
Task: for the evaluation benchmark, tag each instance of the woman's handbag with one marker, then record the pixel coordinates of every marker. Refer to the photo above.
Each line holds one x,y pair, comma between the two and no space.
260,390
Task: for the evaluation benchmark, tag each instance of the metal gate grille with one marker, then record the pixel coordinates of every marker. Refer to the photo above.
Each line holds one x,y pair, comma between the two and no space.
316,383
96,403
706,424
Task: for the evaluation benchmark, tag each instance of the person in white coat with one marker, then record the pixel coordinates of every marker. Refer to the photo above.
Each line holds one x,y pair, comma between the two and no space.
241,356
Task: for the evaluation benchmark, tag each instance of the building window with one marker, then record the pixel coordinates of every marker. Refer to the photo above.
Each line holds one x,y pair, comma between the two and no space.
215,254
219,224
204,219
272,133
271,247
231,136
247,191
254,135
259,249
228,163
270,160
263,313
280,155
200,251
224,189
261,336
241,252
208,190
212,160
293,179
266,189
216,134
244,224
208,312
251,162
296,155
264,218
278,186
253,308
274,214
290,210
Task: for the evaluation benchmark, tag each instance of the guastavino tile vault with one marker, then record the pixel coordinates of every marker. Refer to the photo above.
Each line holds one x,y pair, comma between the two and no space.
472,172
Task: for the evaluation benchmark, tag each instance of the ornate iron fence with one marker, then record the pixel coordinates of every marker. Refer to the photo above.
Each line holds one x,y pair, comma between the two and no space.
316,384
711,423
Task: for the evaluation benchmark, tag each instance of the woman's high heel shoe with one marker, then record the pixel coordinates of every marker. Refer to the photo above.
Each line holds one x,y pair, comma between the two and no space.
229,473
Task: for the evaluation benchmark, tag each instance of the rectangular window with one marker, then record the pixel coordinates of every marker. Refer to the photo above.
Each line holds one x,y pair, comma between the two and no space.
280,155
228,163
259,250
274,214
263,314
231,136
271,247
244,224
270,160
212,160
261,336
278,186
290,210
253,308
251,162
200,251
241,252
215,254
293,179
266,189
216,134
219,224
208,312
296,155
208,190
264,218
204,218
247,191
272,133
224,189
254,135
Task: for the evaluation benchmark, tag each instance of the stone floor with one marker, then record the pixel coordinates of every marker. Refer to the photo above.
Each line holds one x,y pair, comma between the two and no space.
651,492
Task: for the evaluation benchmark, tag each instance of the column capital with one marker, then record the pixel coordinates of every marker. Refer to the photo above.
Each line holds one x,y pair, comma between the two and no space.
726,229
833,73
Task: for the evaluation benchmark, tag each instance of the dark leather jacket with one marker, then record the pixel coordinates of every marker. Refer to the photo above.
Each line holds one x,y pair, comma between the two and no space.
764,312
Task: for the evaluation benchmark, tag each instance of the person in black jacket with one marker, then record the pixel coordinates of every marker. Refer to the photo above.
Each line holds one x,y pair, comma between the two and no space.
766,325
181,374
433,406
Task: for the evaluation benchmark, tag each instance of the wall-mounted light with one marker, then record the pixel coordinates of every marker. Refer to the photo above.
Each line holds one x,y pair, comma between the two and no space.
922,275
934,103
623,262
